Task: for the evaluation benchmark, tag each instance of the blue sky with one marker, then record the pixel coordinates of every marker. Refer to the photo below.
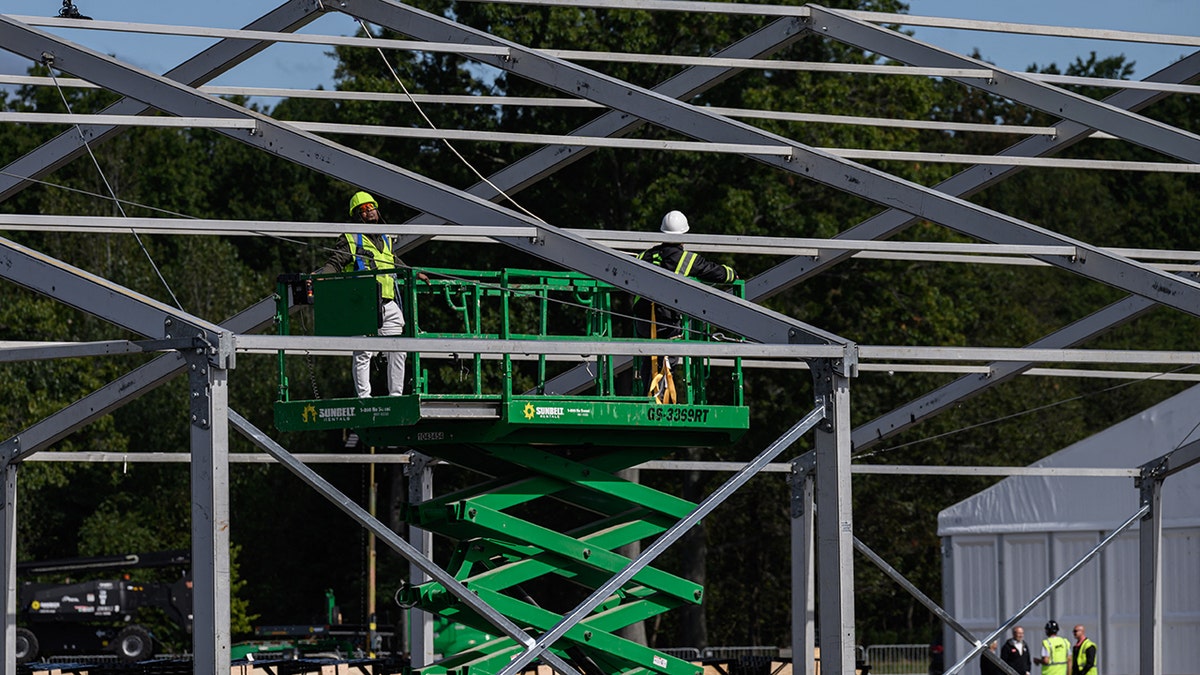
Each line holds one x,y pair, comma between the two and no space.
303,66
1017,52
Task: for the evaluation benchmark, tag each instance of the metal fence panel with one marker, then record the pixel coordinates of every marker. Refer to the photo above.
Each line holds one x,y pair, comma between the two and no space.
738,652
685,653
898,659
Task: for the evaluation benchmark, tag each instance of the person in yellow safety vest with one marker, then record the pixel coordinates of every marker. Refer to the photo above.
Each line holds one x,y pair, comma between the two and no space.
1056,652
371,251
655,321
1084,653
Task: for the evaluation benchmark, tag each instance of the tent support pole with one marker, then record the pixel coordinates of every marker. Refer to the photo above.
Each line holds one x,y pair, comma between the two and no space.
1048,590
1150,577
931,605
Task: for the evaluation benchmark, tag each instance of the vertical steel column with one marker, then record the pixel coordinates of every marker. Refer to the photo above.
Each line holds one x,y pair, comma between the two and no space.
949,644
210,512
8,558
420,623
1150,554
372,558
665,540
803,601
834,519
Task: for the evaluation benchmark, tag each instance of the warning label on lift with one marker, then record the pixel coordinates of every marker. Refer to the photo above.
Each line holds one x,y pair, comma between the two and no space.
346,413
608,413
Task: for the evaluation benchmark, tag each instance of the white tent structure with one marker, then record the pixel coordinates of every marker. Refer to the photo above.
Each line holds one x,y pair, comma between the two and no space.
1004,545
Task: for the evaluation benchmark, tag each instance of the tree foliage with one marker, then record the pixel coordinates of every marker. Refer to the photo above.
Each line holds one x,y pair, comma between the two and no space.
91,509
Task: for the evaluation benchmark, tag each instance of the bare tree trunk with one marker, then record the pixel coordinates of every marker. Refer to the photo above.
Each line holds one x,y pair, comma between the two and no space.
693,554
634,632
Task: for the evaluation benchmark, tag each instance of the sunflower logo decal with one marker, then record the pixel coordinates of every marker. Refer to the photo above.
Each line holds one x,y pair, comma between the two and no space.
309,414
528,411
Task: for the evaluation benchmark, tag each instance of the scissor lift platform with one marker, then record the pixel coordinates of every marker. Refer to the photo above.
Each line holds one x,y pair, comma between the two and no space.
418,421
547,458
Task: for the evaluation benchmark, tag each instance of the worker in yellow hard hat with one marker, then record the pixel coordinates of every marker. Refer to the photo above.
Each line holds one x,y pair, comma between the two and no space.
373,251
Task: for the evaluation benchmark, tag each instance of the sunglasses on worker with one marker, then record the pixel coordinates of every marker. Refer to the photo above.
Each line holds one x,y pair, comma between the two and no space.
369,206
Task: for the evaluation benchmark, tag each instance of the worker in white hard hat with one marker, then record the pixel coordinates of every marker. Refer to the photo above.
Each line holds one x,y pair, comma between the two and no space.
655,321
371,251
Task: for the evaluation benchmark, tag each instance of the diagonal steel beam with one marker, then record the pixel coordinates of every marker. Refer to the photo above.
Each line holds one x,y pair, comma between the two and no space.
205,66
893,44
937,401
967,183
808,162
930,604
550,159
552,244
100,297
666,539
1183,457
1062,578
389,537
117,393
795,270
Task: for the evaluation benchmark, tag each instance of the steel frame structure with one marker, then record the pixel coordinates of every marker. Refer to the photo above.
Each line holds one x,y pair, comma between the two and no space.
207,351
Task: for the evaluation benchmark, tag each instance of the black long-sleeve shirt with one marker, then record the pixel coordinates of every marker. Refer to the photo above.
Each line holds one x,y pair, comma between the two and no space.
673,258
1089,659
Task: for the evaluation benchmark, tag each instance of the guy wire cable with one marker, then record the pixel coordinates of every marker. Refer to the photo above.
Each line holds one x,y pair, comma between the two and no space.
129,202
115,199
112,192
474,170
428,121
1022,413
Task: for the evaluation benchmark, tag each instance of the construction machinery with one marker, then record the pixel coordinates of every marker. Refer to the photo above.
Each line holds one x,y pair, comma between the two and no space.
74,617
543,527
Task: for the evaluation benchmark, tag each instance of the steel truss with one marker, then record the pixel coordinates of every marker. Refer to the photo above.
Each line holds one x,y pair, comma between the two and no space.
206,351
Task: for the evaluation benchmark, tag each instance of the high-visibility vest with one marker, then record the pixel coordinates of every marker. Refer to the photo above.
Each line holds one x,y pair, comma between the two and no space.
1060,655
368,257
687,260
683,266
1081,657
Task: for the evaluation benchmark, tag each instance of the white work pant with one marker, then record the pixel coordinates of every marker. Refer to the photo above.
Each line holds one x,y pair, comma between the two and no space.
393,324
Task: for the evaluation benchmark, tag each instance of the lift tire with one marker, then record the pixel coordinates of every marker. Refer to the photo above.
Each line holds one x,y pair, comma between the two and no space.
133,644
27,645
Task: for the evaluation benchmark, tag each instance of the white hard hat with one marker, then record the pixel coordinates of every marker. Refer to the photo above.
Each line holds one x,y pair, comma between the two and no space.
674,223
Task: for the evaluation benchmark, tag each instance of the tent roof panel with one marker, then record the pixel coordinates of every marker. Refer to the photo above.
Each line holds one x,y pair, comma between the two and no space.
1047,504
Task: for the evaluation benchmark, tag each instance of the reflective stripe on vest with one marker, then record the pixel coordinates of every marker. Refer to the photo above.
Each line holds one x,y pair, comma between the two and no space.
1060,655
684,266
366,256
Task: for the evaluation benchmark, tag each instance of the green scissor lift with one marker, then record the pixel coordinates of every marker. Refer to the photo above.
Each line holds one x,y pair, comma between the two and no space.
544,454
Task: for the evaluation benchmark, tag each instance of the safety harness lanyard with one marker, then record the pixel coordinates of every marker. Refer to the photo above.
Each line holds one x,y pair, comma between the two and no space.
662,385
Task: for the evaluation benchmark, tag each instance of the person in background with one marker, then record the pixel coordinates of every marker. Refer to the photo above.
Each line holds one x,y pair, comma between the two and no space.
986,665
1016,653
1056,652
360,252
937,655
1083,653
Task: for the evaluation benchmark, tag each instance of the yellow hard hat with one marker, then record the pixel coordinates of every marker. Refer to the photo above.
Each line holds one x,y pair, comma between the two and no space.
359,199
